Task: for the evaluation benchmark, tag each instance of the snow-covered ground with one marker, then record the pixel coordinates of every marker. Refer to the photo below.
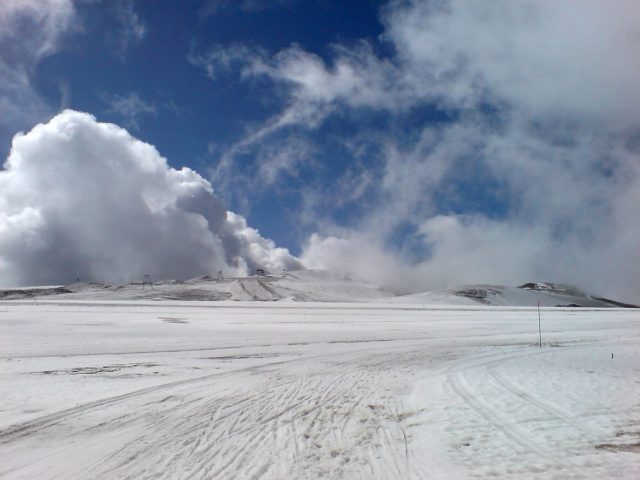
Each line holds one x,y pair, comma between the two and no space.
160,389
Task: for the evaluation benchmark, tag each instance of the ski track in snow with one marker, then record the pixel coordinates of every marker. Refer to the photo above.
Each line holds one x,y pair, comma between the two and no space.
319,393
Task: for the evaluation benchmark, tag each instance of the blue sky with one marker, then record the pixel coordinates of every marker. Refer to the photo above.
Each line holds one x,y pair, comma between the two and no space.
447,141
147,83
133,64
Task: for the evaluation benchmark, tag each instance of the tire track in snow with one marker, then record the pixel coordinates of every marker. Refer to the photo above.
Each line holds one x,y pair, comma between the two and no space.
505,425
543,405
456,379
486,367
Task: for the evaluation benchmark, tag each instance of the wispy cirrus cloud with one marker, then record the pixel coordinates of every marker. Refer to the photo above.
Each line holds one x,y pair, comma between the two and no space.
30,31
130,107
129,29
213,7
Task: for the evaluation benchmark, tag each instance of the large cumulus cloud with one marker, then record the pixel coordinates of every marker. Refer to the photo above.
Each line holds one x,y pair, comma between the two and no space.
80,198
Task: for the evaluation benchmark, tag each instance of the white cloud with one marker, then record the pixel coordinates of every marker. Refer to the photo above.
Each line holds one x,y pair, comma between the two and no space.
547,57
278,167
570,215
360,254
221,60
47,21
83,198
356,77
213,7
131,29
282,161
130,108
250,250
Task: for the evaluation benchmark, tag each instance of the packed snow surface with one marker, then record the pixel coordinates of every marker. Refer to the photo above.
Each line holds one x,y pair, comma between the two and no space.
136,389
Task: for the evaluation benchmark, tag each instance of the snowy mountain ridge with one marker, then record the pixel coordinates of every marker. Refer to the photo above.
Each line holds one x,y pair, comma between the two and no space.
318,286
528,294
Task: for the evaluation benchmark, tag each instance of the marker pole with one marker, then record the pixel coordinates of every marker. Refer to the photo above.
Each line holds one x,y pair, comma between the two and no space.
539,327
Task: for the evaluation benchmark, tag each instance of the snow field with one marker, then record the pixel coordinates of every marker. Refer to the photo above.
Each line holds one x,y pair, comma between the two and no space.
284,390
